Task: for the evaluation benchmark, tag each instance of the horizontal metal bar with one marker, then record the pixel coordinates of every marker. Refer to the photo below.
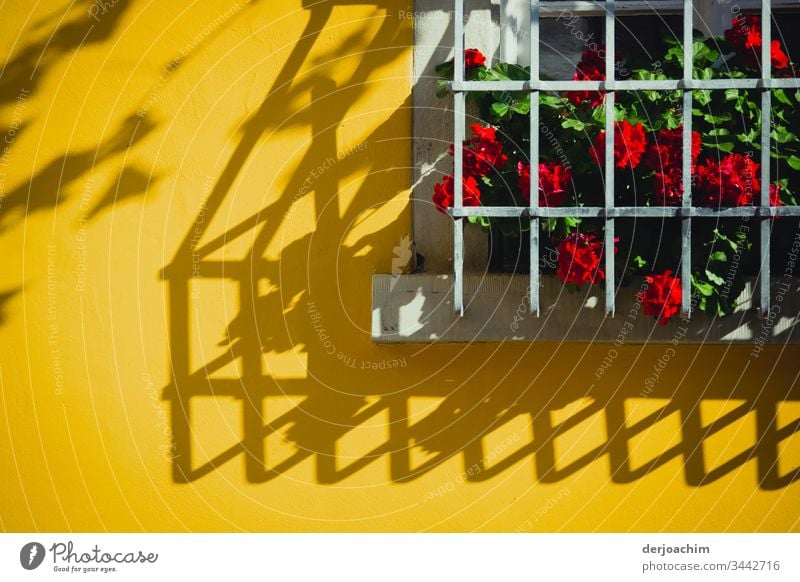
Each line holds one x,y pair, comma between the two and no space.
638,8
623,211
632,85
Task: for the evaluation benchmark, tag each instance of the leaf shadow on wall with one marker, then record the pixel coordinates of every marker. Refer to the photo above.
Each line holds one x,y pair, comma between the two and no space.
59,36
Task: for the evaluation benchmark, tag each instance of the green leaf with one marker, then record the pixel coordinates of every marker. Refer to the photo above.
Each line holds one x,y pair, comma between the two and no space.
497,73
782,135
500,109
721,237
748,137
675,55
551,101
572,221
639,261
673,121
705,289
794,162
723,146
441,88
572,123
599,114
717,119
719,256
522,106
714,278
705,74
484,221
731,94
781,96
703,96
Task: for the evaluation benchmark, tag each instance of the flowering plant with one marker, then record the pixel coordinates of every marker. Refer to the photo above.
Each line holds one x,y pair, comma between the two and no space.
725,164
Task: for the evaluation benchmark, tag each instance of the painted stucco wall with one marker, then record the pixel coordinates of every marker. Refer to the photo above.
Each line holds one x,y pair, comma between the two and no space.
194,199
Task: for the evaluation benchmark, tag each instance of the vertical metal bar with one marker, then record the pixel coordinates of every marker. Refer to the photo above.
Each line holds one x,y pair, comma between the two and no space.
766,114
609,157
458,160
686,201
534,160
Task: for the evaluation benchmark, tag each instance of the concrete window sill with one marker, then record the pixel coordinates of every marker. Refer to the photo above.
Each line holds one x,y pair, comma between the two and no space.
417,308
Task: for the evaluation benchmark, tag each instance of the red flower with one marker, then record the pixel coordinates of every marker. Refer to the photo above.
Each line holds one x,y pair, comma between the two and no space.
775,194
665,152
664,155
554,181
745,31
473,58
731,182
483,153
780,59
745,36
668,187
662,296
487,133
443,194
629,145
579,259
590,68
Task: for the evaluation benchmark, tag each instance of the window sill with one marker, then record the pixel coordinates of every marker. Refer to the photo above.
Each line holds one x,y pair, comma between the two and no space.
417,308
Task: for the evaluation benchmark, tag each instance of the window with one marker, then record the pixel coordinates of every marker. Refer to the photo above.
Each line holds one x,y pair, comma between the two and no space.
521,26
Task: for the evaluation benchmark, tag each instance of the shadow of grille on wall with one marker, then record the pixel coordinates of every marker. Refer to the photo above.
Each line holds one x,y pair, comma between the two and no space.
709,435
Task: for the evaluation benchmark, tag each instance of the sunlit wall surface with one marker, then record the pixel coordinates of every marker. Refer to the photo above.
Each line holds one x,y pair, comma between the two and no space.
195,196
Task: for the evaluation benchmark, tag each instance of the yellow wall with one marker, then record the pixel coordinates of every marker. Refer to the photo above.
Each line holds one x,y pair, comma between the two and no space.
191,193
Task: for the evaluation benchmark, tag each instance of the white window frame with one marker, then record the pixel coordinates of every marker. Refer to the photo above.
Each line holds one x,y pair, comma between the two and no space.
520,31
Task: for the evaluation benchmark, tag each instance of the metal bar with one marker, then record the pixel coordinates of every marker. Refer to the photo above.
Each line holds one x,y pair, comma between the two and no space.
610,282
534,161
637,7
766,114
625,211
636,85
686,199
459,114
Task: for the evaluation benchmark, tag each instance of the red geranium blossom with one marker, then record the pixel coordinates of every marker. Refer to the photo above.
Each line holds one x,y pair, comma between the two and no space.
580,259
443,194
590,68
745,31
745,36
668,187
473,58
629,145
780,60
554,180
733,181
483,153
662,296
664,156
665,152
775,194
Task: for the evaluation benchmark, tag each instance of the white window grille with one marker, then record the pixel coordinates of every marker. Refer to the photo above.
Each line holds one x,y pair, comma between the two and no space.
520,32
